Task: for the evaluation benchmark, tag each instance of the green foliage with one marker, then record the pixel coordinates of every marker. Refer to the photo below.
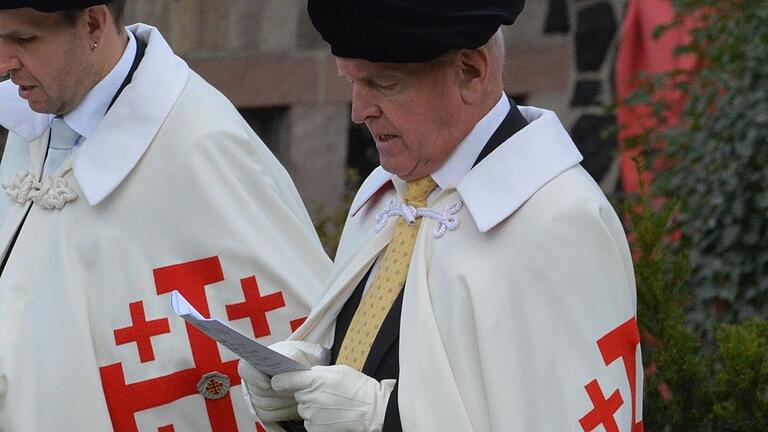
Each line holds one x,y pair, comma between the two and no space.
719,155
703,248
741,383
671,353
690,386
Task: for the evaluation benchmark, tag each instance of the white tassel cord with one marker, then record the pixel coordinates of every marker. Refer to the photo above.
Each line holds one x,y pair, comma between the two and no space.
52,193
447,219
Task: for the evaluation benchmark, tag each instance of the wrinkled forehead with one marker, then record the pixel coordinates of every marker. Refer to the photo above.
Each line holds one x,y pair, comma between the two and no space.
13,21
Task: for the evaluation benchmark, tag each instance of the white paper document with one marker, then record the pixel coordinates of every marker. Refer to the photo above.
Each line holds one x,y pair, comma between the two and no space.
269,362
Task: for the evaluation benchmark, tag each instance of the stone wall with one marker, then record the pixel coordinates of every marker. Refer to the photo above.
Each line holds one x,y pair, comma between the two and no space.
590,28
266,57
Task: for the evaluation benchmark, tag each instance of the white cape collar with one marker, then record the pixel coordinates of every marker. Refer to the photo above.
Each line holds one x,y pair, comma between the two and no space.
120,140
505,180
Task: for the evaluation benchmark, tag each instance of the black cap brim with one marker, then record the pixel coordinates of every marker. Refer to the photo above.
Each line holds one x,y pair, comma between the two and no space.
49,6
407,31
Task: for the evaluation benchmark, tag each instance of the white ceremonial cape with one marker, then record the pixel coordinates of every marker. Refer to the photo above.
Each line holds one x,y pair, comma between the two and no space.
88,340
523,318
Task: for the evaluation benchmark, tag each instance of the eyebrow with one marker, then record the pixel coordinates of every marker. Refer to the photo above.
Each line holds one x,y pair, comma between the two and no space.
15,34
377,75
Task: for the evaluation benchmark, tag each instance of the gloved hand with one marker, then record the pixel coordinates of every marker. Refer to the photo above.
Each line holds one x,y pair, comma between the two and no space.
263,401
337,398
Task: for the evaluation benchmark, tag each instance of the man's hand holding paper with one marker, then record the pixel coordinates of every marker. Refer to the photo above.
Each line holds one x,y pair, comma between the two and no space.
337,398
268,404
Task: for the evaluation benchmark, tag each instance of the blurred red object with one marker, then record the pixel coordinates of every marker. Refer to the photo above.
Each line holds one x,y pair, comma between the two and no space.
641,53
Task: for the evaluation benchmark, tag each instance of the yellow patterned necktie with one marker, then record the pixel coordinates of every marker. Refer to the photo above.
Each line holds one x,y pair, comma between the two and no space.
387,283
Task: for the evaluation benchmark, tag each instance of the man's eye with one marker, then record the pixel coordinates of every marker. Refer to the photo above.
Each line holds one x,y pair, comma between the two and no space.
24,39
386,85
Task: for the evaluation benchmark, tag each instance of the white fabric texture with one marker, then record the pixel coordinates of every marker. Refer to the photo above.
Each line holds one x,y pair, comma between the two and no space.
501,318
182,195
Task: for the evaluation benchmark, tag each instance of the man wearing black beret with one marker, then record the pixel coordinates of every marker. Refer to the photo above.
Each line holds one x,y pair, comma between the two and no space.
483,281
126,177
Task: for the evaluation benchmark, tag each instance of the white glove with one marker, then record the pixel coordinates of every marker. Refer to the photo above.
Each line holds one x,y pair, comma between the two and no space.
337,398
263,401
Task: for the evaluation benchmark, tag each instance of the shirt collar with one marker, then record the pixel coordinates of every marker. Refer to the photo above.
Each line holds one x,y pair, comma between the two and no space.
455,167
506,179
517,169
466,153
86,116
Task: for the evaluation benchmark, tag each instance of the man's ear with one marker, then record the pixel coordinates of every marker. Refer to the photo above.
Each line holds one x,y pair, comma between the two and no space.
474,69
97,19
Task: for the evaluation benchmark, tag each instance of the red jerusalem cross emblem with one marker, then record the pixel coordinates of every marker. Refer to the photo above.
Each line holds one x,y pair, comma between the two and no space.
210,377
619,344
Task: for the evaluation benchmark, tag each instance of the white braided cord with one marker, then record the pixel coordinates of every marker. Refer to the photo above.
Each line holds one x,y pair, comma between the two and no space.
447,219
51,193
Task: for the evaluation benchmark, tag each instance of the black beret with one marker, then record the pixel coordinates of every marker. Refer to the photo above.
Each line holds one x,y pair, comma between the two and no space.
408,31
50,5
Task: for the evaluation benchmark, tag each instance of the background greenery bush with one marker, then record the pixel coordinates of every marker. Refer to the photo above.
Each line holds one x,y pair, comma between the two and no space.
700,236
689,385
719,156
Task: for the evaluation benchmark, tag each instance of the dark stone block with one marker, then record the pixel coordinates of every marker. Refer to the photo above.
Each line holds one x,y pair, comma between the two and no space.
596,28
557,17
586,93
590,133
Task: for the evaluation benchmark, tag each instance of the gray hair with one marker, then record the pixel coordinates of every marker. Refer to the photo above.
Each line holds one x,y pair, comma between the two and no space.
497,49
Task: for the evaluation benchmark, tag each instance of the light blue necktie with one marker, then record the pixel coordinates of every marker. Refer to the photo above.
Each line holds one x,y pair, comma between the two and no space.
63,138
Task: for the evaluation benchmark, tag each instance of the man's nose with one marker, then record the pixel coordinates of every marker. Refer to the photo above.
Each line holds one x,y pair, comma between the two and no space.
8,63
364,104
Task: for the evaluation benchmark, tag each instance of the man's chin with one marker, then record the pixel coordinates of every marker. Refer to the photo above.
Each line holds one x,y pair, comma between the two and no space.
40,107
406,174
37,109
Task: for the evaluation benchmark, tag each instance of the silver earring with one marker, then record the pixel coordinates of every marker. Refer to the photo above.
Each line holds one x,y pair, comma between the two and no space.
94,46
